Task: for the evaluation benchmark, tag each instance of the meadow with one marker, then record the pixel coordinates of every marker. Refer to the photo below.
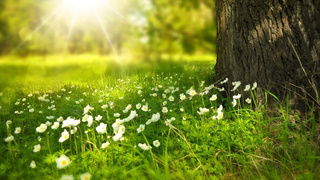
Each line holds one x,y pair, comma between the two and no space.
94,117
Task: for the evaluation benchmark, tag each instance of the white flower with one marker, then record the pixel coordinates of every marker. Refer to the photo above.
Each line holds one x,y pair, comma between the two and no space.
48,123
102,128
145,108
117,137
164,103
67,177
171,98
8,123
235,84
63,161
127,108
213,97
50,117
70,122
87,118
87,109
37,148
42,128
64,136
131,116
224,81
17,130
98,118
234,102
144,146
31,110
169,121
219,113
141,128
138,106
105,106
156,143
182,97
9,139
247,88
105,145
164,109
33,164
121,130
203,111
192,92
154,118
254,86
74,130
248,100
85,176
55,125
60,119
182,109
116,115
237,96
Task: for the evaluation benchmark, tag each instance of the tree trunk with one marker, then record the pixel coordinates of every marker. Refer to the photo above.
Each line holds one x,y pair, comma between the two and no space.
275,43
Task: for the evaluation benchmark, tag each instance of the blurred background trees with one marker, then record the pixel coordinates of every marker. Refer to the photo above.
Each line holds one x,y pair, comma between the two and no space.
136,27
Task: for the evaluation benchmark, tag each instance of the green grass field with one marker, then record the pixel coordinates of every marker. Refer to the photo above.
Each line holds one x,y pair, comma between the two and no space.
155,127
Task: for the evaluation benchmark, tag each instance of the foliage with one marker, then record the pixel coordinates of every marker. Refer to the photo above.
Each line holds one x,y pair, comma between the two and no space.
134,27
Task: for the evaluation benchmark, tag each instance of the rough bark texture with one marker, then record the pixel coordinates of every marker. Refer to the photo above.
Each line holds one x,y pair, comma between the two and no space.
265,41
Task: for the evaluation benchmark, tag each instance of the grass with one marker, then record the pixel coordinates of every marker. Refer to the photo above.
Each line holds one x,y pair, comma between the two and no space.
247,143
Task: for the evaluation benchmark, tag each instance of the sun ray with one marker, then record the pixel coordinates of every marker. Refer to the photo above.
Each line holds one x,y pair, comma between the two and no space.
74,19
41,25
105,32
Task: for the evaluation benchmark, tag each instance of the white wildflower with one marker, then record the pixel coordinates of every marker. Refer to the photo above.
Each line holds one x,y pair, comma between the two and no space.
98,118
234,102
70,122
141,128
248,100
63,161
203,111
145,108
247,88
182,97
102,128
236,85
9,139
213,97
87,109
237,96
17,130
156,143
164,110
67,177
144,146
64,136
85,176
127,108
33,164
105,145
37,148
42,128
254,86
224,81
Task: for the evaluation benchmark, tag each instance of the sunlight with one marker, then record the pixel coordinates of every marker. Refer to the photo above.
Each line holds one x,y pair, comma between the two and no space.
83,7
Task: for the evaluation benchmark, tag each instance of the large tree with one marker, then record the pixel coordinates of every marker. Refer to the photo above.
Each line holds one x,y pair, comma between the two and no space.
273,42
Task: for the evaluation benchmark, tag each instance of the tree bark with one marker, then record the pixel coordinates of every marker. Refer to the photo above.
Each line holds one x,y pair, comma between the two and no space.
275,43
